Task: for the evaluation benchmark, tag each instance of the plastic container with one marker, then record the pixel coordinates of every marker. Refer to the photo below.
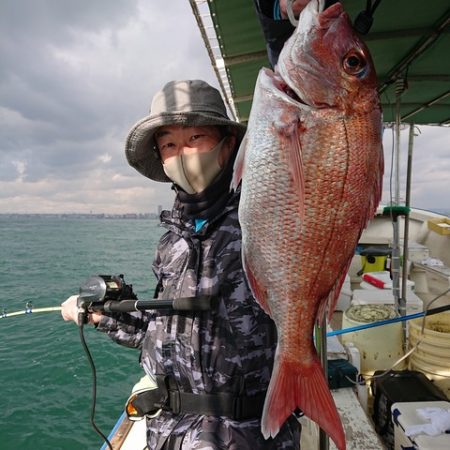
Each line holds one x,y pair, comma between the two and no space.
432,356
405,415
374,259
398,386
379,347
385,297
440,225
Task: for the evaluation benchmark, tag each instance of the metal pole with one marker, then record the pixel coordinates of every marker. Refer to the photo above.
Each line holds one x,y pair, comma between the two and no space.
395,270
402,305
324,442
395,267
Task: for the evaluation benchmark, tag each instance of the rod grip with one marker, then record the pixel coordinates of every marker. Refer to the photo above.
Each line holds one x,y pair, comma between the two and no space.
201,303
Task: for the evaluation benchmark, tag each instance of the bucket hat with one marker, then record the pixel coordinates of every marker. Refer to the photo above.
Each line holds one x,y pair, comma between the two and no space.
188,103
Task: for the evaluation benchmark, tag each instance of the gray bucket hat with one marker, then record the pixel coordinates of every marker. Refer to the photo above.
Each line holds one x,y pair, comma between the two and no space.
189,103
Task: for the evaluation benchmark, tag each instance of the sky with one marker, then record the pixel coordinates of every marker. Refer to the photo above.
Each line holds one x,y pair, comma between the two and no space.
76,75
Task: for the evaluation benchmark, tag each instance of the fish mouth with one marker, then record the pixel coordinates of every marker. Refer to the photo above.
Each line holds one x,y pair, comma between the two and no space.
294,76
287,92
284,87
308,20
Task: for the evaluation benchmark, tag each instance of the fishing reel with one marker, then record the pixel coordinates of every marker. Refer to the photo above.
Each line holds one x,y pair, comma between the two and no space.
97,293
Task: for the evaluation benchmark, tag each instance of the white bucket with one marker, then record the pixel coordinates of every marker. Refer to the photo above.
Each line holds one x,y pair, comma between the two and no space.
379,347
432,356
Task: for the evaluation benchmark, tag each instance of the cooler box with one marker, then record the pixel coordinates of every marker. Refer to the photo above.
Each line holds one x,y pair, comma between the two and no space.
374,259
404,415
398,386
385,297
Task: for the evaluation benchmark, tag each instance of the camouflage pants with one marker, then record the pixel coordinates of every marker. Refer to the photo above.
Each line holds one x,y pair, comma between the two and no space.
218,433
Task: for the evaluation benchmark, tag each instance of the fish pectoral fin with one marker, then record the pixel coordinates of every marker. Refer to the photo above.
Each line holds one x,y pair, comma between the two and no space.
238,168
296,167
258,291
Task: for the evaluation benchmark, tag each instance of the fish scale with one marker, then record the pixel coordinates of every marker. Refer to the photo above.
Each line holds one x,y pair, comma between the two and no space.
311,167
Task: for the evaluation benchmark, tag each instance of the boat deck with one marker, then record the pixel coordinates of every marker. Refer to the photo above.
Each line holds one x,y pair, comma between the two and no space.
359,430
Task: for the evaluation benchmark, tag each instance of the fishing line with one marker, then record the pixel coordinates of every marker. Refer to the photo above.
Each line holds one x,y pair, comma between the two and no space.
30,311
94,387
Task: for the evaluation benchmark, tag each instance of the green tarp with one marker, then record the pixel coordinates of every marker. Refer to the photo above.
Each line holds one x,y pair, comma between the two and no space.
408,37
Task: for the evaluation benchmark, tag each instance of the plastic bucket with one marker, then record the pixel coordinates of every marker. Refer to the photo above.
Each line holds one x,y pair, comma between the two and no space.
373,259
379,347
432,356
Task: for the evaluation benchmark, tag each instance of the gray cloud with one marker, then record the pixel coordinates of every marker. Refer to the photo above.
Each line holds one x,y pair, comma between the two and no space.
75,76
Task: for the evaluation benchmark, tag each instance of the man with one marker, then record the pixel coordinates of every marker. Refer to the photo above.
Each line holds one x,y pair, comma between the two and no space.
212,367
275,24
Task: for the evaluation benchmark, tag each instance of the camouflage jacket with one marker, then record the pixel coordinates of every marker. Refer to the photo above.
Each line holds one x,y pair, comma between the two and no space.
228,349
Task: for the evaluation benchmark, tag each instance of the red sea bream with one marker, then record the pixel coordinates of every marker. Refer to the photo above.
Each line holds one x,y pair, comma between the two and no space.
311,167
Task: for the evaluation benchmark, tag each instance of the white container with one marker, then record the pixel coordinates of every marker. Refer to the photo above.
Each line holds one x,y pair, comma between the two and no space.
404,415
379,347
432,356
385,297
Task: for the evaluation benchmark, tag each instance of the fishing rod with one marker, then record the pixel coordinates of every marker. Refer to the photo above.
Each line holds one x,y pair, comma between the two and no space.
5,314
99,302
101,294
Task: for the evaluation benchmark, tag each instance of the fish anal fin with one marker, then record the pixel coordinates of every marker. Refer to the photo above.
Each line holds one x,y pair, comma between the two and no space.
295,386
258,291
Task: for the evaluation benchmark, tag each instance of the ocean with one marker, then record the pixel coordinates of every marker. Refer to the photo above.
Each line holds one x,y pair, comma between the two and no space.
45,378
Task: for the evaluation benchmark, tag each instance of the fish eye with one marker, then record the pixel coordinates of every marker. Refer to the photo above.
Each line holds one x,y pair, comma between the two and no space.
354,63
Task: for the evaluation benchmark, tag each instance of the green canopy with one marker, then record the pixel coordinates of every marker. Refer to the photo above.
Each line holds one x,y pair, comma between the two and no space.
409,40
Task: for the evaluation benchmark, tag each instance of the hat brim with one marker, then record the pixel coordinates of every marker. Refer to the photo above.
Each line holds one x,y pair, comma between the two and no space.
139,147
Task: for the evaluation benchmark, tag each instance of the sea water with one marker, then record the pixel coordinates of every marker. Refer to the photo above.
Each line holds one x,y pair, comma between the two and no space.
45,378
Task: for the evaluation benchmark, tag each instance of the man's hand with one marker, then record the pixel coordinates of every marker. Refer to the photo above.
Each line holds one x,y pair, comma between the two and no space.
297,7
69,311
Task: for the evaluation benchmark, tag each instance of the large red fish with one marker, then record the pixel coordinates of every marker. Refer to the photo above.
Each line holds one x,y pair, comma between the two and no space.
311,167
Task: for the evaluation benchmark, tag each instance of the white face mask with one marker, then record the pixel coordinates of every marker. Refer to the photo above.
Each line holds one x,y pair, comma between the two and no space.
194,173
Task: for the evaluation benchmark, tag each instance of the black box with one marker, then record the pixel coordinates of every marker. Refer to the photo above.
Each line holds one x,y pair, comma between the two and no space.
399,386
341,374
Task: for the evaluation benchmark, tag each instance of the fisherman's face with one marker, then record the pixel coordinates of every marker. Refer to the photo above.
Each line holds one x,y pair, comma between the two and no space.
193,157
175,140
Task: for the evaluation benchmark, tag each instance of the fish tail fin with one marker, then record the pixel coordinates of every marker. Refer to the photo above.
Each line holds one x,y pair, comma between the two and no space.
294,386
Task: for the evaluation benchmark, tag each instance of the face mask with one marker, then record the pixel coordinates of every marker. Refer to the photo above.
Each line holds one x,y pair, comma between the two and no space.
194,173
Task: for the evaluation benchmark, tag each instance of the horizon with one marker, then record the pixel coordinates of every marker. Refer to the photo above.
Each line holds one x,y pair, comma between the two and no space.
440,210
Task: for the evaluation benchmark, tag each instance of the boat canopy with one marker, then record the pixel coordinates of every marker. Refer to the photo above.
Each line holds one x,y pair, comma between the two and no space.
409,42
